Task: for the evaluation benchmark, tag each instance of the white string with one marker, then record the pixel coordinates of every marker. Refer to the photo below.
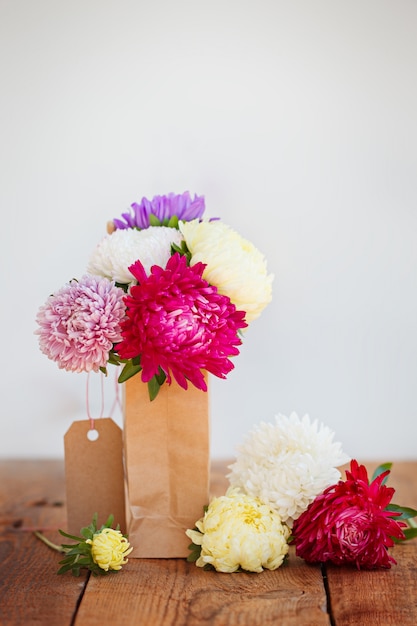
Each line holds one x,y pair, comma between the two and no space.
88,400
117,401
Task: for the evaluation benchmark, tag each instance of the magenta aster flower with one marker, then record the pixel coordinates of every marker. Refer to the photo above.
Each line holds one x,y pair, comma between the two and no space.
80,323
349,523
176,321
163,208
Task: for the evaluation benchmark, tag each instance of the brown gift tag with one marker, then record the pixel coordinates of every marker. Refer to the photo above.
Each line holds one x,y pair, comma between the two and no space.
94,475
167,461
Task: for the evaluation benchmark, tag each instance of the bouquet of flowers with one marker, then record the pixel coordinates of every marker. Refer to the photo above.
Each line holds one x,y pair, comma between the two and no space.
286,489
166,293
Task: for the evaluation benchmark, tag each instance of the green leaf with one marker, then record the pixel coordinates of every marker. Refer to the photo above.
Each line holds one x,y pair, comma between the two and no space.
89,531
67,559
161,377
194,554
109,522
113,358
129,370
406,512
208,567
410,533
153,388
175,248
173,222
64,568
124,286
79,548
70,549
154,221
64,534
380,470
85,562
182,249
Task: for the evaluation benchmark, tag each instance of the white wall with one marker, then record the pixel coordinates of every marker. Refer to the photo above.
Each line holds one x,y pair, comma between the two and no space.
296,120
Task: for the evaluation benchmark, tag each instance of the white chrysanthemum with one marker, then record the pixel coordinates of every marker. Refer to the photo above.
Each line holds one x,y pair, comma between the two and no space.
234,265
287,464
116,252
239,531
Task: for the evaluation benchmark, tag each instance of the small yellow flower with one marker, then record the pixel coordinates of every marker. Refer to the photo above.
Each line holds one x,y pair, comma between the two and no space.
240,531
109,549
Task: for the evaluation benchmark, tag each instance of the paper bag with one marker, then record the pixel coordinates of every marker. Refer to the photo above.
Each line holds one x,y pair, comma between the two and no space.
167,465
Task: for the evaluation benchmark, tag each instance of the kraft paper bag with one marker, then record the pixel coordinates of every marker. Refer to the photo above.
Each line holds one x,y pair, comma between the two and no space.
167,466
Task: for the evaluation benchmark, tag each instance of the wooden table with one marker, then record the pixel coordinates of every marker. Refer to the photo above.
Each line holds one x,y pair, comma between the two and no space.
173,592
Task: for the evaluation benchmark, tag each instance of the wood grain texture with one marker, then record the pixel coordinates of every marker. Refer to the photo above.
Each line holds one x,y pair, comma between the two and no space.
32,497
173,592
376,598
162,592
156,592
382,597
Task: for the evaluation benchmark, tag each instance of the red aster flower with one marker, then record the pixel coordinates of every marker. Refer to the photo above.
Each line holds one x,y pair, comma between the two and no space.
176,321
349,523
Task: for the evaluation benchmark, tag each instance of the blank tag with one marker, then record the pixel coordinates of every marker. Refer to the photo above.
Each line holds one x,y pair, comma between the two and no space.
94,474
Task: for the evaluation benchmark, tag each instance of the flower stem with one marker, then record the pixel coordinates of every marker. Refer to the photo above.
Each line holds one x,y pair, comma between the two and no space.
52,545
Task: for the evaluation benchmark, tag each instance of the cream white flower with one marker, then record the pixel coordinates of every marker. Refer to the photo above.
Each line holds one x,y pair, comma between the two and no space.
234,265
239,531
113,255
287,464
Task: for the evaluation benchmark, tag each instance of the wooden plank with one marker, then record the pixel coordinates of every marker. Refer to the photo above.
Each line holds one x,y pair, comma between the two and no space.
163,592
376,598
382,597
32,497
27,485
156,592
218,480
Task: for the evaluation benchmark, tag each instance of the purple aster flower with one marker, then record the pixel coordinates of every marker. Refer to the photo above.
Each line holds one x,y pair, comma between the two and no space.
163,208
80,323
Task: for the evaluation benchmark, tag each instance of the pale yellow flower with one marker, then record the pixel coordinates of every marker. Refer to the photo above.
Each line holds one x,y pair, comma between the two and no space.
109,549
234,265
239,531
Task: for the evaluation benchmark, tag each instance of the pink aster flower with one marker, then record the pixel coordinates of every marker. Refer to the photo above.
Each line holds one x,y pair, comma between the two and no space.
79,324
176,321
163,208
349,523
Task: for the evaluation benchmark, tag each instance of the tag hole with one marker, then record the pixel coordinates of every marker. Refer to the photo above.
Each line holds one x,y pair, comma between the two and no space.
92,434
